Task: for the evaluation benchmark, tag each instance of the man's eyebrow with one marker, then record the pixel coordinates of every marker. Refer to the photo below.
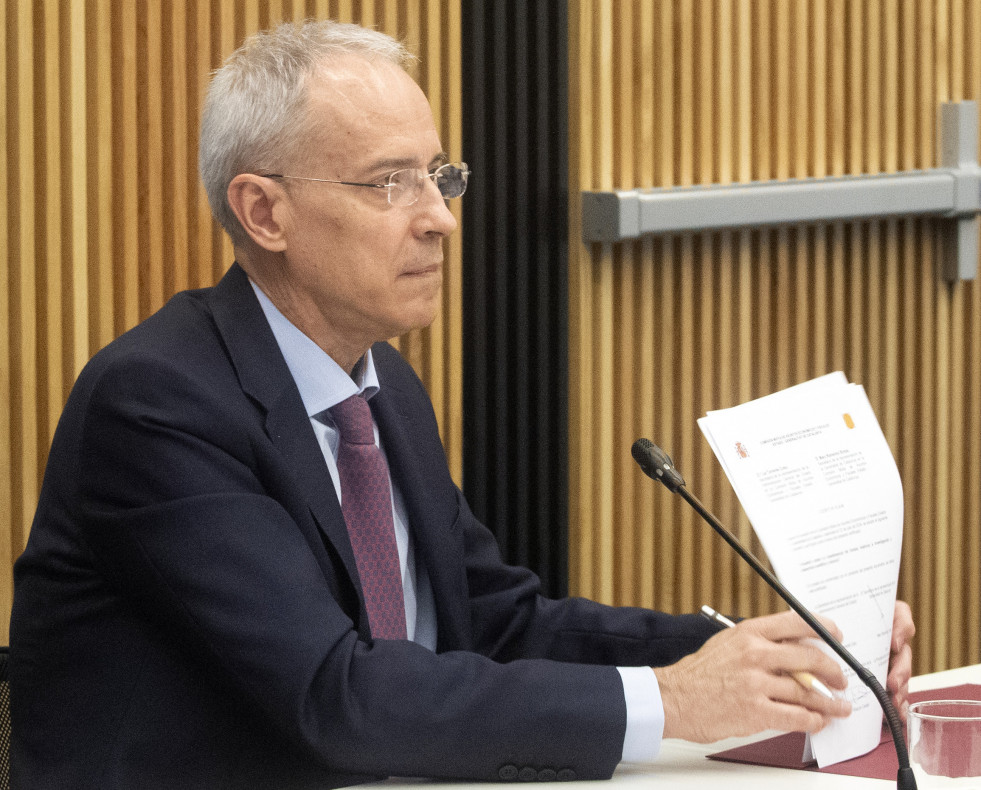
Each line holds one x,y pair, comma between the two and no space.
383,165
397,163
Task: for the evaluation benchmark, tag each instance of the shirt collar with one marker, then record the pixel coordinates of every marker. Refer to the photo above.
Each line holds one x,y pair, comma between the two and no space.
321,381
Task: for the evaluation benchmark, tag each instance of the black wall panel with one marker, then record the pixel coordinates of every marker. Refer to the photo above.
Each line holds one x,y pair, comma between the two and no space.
515,258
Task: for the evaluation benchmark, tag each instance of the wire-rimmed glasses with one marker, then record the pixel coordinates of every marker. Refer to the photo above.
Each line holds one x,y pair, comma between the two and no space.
405,186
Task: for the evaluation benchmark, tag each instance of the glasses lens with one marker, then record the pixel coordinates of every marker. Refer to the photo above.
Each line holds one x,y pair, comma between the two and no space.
405,186
451,180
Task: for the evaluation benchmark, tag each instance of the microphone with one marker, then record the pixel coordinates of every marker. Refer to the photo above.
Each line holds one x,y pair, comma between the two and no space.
656,464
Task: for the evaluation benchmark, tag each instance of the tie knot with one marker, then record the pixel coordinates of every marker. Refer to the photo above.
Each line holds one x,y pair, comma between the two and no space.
353,420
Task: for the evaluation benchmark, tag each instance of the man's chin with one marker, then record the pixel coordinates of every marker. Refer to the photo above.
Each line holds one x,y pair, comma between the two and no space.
417,320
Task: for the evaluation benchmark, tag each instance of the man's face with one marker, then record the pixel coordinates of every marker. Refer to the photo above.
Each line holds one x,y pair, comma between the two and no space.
358,269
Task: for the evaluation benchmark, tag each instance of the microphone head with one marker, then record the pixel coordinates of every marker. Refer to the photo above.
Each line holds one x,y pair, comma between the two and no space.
656,464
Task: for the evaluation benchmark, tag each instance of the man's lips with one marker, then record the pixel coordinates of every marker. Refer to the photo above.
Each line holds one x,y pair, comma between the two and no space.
433,268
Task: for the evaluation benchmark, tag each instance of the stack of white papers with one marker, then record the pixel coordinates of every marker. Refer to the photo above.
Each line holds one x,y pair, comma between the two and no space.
819,484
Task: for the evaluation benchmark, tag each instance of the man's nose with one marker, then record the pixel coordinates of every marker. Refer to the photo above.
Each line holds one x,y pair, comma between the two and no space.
436,210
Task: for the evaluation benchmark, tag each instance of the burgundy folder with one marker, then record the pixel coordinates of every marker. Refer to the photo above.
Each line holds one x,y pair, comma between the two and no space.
784,751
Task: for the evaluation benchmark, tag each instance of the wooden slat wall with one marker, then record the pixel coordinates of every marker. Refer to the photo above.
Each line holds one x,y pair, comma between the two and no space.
102,217
662,330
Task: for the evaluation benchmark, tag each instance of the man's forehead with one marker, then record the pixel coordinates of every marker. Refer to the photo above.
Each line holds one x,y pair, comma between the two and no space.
365,83
374,109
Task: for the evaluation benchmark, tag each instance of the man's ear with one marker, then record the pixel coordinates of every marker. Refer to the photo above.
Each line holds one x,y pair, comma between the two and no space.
257,202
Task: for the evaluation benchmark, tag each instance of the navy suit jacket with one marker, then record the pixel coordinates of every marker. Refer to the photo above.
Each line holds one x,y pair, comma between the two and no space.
187,612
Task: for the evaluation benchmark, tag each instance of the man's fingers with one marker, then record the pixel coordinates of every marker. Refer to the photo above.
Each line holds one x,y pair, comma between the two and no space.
903,628
794,718
901,669
742,682
790,706
901,656
898,679
789,657
811,698
787,626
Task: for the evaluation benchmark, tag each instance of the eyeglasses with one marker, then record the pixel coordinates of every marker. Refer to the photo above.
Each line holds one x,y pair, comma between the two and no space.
405,186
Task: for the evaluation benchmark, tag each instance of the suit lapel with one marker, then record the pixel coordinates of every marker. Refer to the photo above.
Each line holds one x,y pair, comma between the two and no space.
266,379
416,461
416,457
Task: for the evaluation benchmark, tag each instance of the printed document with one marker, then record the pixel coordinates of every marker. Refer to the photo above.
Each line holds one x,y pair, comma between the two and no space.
819,484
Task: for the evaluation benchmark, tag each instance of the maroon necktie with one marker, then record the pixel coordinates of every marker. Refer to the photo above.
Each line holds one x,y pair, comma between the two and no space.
366,502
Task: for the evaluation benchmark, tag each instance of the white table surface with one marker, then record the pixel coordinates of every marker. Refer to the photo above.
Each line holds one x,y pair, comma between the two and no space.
684,764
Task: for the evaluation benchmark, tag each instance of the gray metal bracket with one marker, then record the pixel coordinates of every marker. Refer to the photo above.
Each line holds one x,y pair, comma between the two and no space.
952,193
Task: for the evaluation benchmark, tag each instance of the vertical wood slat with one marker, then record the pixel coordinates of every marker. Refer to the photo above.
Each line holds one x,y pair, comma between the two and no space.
23,330
49,167
826,87
971,593
103,214
580,172
78,309
7,504
175,132
623,550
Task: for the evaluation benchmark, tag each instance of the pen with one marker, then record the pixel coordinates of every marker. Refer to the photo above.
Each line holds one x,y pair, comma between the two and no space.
806,679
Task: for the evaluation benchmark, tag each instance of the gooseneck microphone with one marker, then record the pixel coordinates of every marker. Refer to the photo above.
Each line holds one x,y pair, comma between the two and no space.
657,465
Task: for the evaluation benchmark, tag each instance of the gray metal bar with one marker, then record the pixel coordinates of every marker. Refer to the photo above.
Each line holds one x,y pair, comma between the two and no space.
951,193
958,137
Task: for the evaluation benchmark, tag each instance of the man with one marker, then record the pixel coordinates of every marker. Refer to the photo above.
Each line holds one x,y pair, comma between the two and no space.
212,598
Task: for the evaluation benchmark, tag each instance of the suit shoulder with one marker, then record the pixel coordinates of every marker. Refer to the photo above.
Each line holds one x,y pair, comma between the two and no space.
179,340
185,318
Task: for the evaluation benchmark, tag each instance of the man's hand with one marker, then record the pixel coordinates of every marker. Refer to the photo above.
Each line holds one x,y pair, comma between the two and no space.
738,683
901,657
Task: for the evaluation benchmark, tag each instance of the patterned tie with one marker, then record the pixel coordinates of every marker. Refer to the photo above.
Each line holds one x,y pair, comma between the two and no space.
366,502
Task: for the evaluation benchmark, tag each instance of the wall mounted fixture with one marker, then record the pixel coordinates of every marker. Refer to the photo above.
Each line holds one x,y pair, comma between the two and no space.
951,192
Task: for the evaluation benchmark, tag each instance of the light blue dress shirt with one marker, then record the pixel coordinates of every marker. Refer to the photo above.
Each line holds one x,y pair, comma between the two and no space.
322,384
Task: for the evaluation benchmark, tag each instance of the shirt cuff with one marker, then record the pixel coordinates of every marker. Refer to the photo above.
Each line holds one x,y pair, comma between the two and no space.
645,715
